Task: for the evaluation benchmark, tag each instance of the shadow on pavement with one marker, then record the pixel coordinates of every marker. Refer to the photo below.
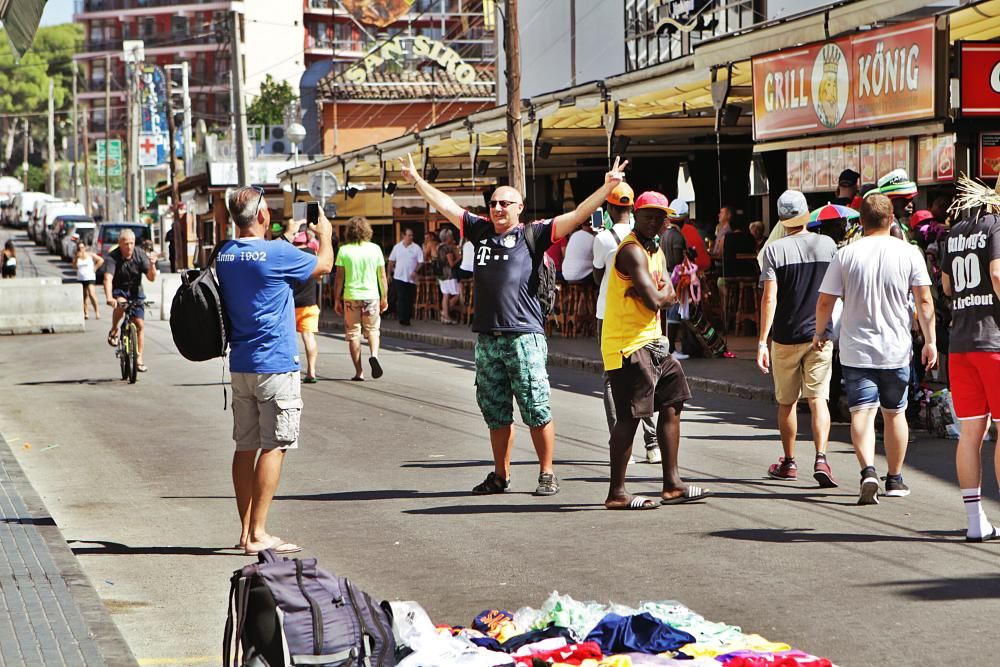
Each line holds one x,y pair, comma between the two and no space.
983,587
118,549
506,509
378,494
30,521
435,465
42,383
791,535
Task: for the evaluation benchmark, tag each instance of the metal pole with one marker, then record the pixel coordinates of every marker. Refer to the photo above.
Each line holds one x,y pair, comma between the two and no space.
107,136
24,163
86,161
515,144
239,102
52,138
188,145
133,145
175,192
75,172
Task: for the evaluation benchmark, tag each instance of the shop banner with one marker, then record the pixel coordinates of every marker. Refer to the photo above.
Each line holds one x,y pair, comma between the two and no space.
989,155
872,78
936,159
980,79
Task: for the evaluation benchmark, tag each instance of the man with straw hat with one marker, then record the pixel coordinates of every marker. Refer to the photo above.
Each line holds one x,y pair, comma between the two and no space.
971,277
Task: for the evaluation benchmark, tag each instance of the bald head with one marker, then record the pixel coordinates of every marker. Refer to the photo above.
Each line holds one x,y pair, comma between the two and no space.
505,207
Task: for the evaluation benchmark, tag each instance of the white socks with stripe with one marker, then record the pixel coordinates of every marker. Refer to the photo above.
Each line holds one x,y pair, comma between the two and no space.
978,524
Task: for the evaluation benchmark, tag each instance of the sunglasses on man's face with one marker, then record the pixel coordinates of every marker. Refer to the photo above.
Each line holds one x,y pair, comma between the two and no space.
503,203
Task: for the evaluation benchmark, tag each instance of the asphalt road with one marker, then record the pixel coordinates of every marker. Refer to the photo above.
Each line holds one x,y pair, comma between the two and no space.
137,478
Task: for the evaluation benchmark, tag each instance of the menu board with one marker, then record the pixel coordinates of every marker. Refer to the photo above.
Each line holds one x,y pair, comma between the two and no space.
925,159
836,164
794,171
868,164
901,154
936,159
808,169
989,155
884,161
823,168
852,158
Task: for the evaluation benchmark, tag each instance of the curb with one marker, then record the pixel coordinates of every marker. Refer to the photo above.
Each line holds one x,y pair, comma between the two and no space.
110,642
585,364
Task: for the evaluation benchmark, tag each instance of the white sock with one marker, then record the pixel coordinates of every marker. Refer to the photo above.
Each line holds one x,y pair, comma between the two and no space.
978,524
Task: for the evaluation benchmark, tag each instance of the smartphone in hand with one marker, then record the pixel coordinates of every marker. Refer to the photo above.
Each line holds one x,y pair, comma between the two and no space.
312,212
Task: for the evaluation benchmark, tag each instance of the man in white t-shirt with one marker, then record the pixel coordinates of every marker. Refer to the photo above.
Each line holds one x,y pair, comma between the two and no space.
875,276
404,260
619,208
579,260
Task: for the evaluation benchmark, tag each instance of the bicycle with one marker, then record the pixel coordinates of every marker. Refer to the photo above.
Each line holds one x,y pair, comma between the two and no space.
128,339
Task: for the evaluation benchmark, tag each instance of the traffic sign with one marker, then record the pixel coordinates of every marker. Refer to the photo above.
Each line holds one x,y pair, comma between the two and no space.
109,154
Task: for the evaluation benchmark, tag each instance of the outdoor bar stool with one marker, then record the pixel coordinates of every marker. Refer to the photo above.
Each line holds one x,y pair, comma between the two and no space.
428,302
467,285
580,305
747,298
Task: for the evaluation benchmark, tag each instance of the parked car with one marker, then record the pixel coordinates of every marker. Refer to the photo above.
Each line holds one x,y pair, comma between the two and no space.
24,207
107,235
36,221
54,224
74,229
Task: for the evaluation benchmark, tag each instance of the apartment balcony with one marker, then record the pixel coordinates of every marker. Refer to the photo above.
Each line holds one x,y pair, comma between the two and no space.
172,39
84,9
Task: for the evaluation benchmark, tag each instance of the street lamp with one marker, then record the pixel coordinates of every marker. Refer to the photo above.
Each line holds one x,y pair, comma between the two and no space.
295,133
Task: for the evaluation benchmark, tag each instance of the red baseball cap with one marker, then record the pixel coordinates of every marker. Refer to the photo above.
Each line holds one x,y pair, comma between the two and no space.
652,199
920,217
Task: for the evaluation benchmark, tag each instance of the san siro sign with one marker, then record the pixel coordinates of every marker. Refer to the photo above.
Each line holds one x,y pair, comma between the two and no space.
872,78
423,48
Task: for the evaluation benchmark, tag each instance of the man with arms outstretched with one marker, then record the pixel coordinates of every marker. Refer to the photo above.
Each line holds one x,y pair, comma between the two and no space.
511,350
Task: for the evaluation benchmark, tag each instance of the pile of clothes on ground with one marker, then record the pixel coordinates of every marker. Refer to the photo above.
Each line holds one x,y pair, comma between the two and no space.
568,632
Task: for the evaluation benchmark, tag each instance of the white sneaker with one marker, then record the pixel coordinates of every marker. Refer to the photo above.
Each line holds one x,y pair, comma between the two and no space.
680,356
653,455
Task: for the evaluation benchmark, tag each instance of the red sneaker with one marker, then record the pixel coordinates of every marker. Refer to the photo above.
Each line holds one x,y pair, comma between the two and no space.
823,474
783,469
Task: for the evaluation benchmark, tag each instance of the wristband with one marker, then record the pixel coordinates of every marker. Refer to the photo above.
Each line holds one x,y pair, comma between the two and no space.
762,346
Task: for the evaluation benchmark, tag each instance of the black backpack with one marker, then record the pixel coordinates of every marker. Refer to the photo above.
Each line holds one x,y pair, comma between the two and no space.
198,321
285,612
545,276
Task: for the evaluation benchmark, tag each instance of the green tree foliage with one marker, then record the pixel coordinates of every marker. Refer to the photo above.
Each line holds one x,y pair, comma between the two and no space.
24,85
37,177
268,108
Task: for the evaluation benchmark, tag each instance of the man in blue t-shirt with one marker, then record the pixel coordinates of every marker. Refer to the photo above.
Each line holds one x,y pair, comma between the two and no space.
511,350
256,277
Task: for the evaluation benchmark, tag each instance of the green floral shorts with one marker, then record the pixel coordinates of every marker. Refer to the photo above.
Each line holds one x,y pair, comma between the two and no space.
512,366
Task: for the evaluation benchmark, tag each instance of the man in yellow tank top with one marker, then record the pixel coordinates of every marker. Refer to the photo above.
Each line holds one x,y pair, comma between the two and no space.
645,379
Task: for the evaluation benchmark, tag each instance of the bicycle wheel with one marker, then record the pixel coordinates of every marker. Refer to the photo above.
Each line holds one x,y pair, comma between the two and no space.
133,352
123,357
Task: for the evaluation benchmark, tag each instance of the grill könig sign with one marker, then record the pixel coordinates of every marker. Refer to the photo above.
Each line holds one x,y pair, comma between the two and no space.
869,78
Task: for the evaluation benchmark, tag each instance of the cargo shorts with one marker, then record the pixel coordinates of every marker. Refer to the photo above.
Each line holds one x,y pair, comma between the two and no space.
512,366
267,410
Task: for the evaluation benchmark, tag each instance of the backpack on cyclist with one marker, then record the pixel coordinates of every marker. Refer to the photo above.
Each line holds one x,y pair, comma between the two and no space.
198,322
545,275
291,612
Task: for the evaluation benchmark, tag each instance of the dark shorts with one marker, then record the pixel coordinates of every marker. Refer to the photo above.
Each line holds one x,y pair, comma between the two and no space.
85,284
140,311
648,381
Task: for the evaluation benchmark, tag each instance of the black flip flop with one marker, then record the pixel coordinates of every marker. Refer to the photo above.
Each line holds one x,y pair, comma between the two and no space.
376,368
994,534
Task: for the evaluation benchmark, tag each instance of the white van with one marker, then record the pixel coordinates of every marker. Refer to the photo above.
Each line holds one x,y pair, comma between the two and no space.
25,203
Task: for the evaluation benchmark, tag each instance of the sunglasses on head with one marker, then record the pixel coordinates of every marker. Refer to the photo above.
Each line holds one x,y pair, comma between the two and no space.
504,203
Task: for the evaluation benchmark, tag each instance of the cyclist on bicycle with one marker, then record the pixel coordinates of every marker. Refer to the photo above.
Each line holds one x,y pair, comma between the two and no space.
123,272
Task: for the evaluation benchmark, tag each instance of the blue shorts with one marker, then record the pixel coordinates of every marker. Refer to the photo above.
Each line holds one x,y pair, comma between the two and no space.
140,309
874,387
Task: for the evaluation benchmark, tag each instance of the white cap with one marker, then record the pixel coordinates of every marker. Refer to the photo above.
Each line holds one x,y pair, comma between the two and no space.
680,208
792,204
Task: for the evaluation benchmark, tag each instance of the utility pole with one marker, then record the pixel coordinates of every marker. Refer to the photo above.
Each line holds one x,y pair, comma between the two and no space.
52,138
133,143
186,101
24,161
86,160
75,171
175,191
107,135
515,144
239,102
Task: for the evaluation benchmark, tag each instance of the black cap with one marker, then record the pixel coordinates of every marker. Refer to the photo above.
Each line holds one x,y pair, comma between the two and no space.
849,178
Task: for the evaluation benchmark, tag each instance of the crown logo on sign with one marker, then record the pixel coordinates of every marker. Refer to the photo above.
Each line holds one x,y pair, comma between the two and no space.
831,59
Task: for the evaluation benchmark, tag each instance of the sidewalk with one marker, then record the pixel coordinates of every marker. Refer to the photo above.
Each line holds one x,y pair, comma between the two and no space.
734,377
49,612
